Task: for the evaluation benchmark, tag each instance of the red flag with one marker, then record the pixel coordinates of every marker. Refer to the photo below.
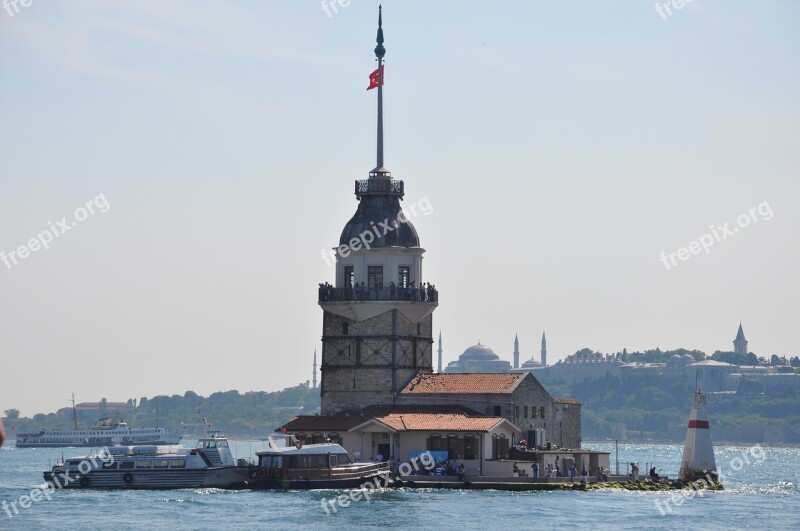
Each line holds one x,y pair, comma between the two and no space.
373,79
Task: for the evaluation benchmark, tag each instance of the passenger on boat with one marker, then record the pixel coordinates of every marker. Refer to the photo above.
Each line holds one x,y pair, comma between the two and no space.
2,433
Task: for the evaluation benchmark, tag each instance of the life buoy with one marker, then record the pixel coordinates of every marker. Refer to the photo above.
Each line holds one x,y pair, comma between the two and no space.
127,478
298,444
84,482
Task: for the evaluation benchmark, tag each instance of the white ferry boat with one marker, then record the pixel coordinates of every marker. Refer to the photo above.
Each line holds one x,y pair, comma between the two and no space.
209,465
108,432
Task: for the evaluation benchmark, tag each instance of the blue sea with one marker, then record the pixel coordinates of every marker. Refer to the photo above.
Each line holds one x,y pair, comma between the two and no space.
761,492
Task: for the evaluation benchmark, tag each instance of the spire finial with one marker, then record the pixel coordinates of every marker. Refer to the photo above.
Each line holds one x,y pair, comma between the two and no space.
380,51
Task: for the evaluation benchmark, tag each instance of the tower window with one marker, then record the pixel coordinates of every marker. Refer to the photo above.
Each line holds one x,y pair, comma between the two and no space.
344,329
403,276
348,276
419,329
525,411
375,277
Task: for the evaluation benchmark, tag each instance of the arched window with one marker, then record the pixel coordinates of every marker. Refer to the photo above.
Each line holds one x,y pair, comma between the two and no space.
335,438
435,442
470,446
455,446
499,446
301,437
317,438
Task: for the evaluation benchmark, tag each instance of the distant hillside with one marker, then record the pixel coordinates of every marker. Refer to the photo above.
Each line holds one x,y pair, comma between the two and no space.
250,414
653,408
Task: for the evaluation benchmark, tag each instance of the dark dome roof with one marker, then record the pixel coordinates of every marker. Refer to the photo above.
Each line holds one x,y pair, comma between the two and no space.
479,352
374,210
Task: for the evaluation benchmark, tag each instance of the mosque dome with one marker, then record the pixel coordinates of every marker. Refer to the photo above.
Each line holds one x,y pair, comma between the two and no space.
675,359
687,359
478,353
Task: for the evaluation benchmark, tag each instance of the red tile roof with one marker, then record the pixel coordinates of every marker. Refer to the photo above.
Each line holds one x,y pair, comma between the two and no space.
438,422
566,401
458,383
345,421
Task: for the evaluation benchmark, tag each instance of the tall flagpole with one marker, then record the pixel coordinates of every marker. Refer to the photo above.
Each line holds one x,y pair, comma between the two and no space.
380,51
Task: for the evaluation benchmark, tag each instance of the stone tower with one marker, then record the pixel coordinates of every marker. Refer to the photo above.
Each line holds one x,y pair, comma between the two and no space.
740,343
439,370
377,324
544,351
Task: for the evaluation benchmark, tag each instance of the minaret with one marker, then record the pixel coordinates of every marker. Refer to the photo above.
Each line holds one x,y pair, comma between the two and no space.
314,372
740,343
516,351
698,461
544,350
377,328
440,352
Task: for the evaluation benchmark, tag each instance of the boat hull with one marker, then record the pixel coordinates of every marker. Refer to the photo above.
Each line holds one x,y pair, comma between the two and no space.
375,479
217,477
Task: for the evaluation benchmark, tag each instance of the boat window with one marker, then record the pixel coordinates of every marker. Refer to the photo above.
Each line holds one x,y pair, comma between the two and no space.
75,461
332,460
163,463
126,464
211,444
178,463
222,444
144,464
110,466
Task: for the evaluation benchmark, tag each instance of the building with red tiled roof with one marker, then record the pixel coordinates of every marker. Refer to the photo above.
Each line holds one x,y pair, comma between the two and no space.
463,383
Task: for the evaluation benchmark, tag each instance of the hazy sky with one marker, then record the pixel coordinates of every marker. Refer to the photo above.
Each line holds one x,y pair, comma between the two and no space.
562,145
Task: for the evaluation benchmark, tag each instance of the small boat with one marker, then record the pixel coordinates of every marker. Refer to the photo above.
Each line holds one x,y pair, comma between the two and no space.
289,464
209,465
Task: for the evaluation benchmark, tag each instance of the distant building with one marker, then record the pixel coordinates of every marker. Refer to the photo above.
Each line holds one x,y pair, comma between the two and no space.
479,358
740,343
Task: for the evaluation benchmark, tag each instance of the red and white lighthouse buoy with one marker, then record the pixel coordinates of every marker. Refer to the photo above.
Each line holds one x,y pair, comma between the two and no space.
698,452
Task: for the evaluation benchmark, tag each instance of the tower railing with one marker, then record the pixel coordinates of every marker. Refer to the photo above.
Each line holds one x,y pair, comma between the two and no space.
425,293
379,187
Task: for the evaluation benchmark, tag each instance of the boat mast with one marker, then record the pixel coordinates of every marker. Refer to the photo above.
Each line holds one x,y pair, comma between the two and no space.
74,413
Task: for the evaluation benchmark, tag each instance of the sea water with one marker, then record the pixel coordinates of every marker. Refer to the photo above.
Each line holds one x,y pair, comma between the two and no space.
761,492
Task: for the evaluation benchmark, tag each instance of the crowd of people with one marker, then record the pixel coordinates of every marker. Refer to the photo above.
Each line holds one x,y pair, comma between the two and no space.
360,292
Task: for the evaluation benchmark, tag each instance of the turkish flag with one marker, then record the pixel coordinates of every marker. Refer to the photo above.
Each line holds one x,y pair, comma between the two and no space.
374,79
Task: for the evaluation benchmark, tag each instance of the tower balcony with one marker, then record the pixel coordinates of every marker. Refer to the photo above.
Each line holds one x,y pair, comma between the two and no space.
380,186
362,304
329,294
